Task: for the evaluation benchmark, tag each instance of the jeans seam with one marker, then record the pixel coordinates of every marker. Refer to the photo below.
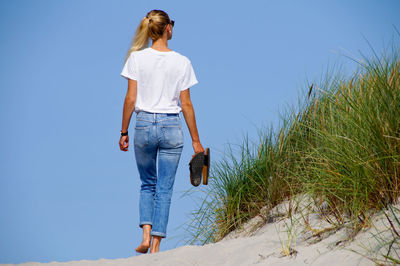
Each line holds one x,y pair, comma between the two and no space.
144,120
169,119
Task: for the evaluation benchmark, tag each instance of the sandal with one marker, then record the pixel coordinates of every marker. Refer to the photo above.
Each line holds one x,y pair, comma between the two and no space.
195,166
206,167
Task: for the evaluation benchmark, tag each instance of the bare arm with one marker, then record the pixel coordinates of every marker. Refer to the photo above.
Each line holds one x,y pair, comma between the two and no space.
129,106
188,113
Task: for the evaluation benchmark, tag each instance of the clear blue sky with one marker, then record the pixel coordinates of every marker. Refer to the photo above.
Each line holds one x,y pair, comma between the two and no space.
66,190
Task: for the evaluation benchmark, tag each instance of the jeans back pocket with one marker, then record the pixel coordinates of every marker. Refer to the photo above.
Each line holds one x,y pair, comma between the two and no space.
141,136
172,132
173,136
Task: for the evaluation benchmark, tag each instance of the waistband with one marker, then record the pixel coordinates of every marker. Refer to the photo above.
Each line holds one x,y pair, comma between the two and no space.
153,117
156,114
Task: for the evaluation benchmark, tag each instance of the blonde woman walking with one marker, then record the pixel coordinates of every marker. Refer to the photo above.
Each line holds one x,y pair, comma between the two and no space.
158,78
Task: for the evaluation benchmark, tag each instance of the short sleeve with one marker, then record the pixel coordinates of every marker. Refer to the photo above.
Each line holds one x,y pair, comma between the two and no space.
129,69
189,78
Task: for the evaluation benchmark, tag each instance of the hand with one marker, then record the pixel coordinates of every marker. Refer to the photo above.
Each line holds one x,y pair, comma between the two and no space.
124,143
197,147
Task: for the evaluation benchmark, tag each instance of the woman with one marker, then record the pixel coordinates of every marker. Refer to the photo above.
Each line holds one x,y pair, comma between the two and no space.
158,78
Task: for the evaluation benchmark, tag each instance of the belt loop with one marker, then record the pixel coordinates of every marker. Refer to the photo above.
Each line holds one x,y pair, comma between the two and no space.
154,115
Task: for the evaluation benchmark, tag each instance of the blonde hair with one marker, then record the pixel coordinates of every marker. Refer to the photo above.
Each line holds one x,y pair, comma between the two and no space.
151,26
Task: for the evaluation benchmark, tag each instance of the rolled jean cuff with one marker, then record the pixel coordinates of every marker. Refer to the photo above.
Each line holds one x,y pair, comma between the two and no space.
143,223
163,235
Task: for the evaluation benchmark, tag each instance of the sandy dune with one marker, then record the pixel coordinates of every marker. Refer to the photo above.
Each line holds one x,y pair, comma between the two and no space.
261,241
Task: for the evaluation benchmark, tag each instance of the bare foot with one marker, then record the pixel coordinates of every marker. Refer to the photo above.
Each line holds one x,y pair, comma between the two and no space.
155,245
143,247
154,251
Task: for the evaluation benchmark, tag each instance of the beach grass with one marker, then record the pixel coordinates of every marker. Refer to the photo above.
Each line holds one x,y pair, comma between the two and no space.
341,146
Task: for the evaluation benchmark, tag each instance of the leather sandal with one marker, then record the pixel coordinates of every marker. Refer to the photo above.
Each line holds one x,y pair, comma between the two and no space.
206,166
195,167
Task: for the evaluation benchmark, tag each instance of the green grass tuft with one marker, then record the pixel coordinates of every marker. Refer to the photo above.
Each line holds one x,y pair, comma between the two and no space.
342,147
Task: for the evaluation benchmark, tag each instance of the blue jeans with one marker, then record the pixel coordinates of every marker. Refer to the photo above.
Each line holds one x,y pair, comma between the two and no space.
157,134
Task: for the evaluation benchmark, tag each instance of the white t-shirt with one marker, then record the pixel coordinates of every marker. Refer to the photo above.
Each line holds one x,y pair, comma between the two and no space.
161,76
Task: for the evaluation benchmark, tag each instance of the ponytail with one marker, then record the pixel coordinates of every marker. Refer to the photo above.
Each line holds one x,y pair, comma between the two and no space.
141,38
151,26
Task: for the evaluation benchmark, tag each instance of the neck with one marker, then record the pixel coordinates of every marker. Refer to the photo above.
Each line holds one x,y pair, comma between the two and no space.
160,44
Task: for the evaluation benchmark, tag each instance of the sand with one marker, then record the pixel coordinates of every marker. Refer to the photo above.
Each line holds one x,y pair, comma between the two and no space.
262,239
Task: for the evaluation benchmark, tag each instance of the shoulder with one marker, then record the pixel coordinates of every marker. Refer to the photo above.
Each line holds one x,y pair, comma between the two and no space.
137,53
140,53
132,57
181,57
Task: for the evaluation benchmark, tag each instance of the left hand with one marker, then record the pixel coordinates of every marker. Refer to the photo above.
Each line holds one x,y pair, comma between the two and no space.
124,143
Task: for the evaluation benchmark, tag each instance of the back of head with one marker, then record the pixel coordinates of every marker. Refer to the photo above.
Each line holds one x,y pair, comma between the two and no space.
151,26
